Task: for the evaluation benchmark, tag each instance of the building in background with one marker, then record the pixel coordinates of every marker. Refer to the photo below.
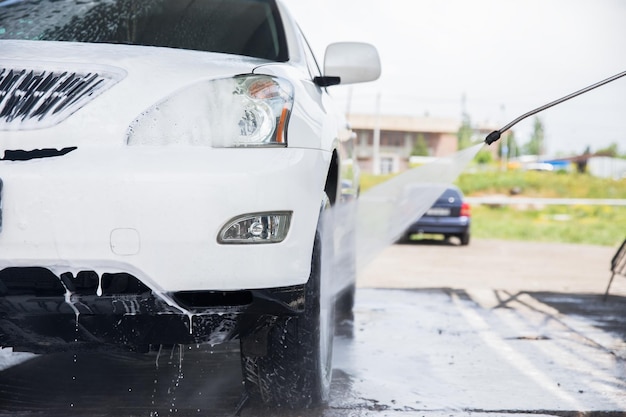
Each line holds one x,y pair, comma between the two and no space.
398,136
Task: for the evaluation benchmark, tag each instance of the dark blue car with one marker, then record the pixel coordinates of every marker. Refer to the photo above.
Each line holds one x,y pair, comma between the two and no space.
449,216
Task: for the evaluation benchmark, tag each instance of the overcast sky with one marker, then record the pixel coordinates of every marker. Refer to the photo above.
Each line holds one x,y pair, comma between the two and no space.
505,57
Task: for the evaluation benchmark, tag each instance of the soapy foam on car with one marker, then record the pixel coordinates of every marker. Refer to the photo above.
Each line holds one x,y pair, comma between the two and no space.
181,119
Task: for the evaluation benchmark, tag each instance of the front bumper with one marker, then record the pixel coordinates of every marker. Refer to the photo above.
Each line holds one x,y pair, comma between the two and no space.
155,213
105,247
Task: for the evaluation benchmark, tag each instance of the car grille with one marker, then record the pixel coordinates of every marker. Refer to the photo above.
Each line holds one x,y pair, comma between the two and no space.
32,99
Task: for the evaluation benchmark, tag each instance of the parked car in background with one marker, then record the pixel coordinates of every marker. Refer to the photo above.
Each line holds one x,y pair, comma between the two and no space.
539,166
165,168
449,216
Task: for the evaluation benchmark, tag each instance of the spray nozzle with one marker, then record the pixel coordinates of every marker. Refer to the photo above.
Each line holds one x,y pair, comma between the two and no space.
495,135
492,137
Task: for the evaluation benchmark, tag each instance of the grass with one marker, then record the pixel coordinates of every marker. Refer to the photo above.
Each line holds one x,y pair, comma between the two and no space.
541,184
369,180
594,224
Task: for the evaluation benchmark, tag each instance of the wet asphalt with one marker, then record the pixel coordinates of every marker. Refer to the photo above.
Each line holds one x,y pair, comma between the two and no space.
407,352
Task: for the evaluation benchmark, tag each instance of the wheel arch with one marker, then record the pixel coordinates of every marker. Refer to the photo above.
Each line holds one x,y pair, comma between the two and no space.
331,187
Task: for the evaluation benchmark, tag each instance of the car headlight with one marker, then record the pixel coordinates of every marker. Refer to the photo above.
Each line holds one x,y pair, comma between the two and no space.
243,111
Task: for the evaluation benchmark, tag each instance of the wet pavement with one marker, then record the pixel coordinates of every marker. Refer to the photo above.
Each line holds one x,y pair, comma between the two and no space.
494,328
421,352
461,353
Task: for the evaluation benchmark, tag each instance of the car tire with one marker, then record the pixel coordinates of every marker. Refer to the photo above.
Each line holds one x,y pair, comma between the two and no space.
295,372
465,238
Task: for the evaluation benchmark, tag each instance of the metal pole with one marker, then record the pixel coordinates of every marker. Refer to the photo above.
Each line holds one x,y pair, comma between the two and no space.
376,144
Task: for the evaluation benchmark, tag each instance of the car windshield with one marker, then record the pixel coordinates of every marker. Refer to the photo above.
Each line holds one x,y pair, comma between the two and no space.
242,27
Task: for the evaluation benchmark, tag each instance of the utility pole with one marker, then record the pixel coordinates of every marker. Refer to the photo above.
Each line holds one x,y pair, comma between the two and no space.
504,147
376,144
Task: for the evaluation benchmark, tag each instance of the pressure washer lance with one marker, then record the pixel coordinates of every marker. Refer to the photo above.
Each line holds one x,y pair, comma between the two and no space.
495,135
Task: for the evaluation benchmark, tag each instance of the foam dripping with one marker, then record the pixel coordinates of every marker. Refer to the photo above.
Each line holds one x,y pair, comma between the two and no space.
69,300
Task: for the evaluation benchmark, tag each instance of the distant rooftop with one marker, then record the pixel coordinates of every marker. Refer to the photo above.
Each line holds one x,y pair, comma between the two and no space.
405,123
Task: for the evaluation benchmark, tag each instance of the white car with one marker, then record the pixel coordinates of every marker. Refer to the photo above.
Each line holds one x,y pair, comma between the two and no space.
164,168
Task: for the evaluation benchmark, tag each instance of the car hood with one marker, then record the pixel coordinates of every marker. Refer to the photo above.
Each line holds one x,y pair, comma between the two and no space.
95,88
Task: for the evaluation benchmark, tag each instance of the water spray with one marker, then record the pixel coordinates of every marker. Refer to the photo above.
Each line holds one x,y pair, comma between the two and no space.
495,135
385,211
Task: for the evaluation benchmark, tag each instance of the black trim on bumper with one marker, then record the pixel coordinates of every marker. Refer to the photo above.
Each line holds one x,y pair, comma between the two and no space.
40,312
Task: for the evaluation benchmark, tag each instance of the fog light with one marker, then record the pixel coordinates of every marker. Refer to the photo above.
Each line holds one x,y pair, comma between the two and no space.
269,227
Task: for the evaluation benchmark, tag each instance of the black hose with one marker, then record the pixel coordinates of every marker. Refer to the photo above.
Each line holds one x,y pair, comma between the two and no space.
495,135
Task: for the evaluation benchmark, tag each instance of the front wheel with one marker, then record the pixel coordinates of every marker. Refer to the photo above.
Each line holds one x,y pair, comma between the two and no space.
296,370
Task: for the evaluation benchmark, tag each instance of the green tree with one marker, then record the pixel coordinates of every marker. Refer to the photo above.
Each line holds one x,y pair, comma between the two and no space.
611,150
464,134
536,144
420,148
484,157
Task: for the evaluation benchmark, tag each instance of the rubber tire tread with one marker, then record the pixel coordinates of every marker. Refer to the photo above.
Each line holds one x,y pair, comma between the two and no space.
292,375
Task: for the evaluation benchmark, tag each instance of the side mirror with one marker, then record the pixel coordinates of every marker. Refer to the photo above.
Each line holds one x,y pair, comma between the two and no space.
349,63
